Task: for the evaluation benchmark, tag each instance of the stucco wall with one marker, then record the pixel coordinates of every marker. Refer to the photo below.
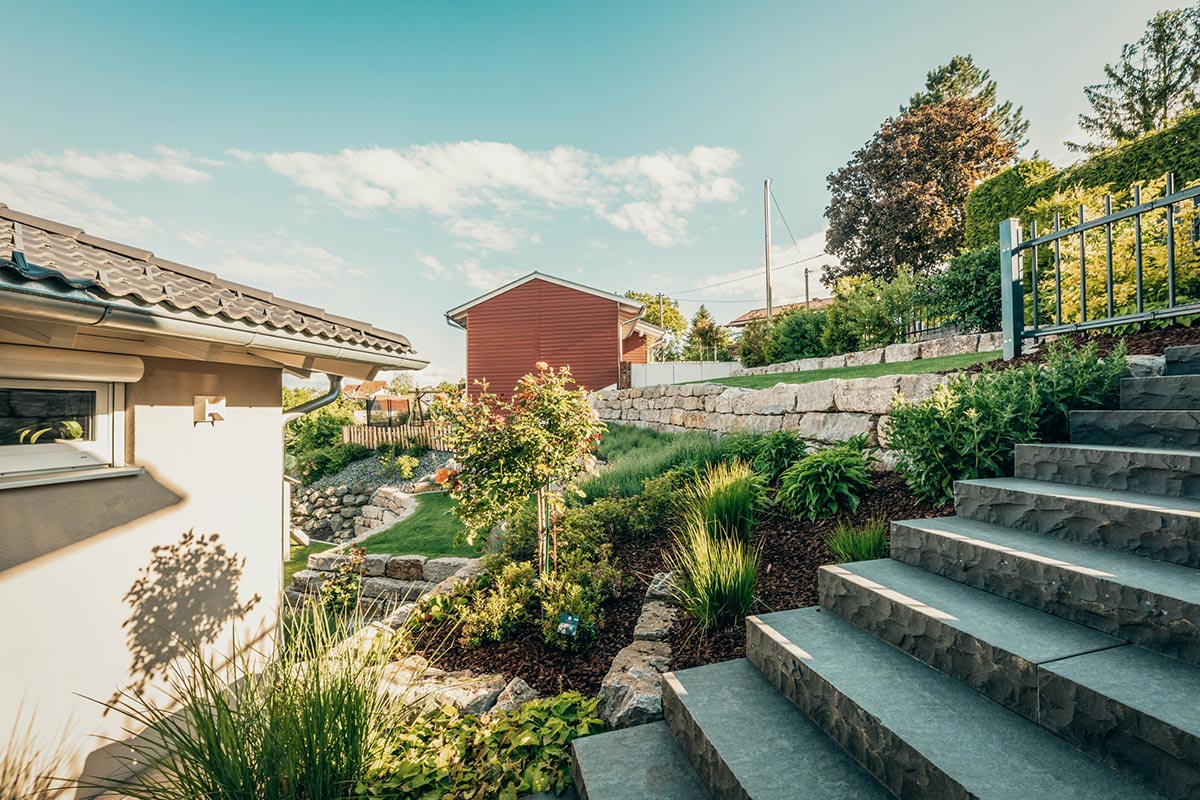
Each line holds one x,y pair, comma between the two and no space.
82,615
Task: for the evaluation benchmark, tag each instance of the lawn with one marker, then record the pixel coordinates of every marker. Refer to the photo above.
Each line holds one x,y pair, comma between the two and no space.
430,531
919,367
299,558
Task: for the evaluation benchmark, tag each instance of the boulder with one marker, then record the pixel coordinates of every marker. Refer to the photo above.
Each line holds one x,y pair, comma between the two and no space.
863,358
815,396
836,427
399,615
516,694
867,395
406,568
655,621
895,353
329,560
631,693
438,569
374,564
308,580
779,399
919,387
392,589
950,346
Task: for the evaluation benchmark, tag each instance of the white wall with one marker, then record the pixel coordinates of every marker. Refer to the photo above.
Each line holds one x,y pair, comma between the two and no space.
680,371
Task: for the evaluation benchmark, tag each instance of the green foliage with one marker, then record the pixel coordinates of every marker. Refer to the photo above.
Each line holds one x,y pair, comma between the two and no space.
859,542
561,596
869,312
664,312
1010,193
309,725
798,334
826,482
715,575
28,763
340,591
624,476
968,292
502,756
776,452
962,78
400,466
968,428
495,612
756,345
312,465
432,530
620,440
317,429
706,340
730,496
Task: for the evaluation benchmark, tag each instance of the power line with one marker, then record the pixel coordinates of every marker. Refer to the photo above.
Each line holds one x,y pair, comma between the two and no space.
775,200
674,295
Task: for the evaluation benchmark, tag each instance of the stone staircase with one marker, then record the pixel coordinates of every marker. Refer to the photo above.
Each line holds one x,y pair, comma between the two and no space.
1044,643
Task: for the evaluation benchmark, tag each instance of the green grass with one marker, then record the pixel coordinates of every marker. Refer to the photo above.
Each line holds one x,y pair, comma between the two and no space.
430,531
919,367
299,558
635,454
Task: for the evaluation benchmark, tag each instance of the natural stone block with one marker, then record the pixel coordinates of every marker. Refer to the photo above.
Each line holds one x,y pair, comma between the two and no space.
896,353
514,695
662,587
815,396
631,693
374,564
392,589
329,560
950,346
835,427
866,395
308,580
406,568
438,569
864,358
655,621
918,387
989,342
728,398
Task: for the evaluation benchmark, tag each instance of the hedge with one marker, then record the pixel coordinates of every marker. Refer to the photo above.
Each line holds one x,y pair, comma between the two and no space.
1009,194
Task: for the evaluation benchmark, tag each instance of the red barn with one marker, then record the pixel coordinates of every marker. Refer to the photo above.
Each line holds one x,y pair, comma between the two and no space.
543,318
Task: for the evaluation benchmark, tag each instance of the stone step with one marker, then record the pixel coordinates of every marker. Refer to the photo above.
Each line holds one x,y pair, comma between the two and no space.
747,741
1171,473
1147,525
1147,602
921,733
988,643
1167,392
1171,429
1132,708
1182,360
634,764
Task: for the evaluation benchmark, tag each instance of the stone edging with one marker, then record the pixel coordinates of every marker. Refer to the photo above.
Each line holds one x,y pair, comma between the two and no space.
933,348
631,693
388,580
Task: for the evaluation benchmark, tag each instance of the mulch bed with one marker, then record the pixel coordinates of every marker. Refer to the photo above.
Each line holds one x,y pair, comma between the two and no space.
1146,342
791,553
526,655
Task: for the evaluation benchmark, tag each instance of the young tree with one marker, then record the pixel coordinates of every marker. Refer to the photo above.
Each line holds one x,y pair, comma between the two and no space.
706,340
664,312
899,202
1156,79
962,78
401,383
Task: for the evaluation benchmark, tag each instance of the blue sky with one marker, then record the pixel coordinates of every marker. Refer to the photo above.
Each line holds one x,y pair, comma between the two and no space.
390,161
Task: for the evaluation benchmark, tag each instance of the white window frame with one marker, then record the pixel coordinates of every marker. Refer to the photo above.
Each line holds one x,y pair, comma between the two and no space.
105,450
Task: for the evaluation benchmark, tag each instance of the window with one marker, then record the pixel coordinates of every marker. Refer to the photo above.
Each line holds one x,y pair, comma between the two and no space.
54,426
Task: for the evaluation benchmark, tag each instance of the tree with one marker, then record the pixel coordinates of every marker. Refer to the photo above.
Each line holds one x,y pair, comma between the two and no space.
664,312
1155,81
706,339
899,202
401,383
962,78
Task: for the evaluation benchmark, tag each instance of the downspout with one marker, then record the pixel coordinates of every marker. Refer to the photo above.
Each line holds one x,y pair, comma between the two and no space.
296,412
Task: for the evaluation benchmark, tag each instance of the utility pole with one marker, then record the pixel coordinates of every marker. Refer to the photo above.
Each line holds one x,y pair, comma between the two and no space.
806,289
767,226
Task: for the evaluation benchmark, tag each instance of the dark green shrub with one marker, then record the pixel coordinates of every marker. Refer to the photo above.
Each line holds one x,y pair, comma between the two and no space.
715,575
756,345
730,497
1076,378
494,612
798,334
313,465
968,292
776,452
826,482
859,542
742,445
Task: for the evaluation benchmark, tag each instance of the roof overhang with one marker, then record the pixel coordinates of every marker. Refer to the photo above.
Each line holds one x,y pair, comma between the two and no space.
457,316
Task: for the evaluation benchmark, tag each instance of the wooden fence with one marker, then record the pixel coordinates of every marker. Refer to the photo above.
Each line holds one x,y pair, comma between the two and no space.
432,436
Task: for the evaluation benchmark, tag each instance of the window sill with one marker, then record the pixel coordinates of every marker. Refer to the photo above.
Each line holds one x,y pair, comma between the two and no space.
66,476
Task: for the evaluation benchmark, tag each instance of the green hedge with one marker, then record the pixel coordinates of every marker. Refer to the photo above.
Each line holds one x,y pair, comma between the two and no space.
1009,194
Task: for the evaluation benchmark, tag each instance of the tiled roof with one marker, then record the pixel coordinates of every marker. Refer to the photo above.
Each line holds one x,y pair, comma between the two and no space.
358,391
42,250
761,313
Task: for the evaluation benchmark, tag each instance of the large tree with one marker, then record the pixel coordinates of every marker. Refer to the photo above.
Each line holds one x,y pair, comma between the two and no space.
963,78
899,202
1156,79
664,312
707,341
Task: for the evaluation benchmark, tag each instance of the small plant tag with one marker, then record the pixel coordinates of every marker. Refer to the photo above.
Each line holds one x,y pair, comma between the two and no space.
568,624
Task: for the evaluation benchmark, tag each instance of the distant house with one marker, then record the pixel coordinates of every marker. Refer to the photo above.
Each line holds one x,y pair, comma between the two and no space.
142,501
361,391
756,314
543,318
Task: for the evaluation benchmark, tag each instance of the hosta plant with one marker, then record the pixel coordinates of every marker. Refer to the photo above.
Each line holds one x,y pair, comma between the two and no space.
826,482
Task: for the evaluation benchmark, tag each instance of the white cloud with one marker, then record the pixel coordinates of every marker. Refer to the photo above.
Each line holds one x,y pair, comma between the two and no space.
652,193
433,267
167,164
484,278
57,196
279,263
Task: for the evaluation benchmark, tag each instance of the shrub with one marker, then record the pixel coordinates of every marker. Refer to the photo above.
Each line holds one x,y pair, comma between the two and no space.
340,592
776,452
494,612
969,428
859,542
742,445
400,466
307,726
714,574
826,482
798,334
312,465
968,292
564,597
507,754
624,476
756,345
730,497
317,429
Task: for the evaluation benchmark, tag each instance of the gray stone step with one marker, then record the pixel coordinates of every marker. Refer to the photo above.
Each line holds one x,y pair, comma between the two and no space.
1147,525
747,741
1137,710
1171,429
1171,473
1167,392
988,643
1183,360
1147,602
634,764
921,733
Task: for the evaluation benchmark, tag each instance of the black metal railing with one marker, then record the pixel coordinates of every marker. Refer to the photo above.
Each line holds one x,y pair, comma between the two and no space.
1143,297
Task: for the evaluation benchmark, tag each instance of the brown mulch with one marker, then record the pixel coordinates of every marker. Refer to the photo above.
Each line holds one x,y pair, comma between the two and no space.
1145,342
526,655
791,553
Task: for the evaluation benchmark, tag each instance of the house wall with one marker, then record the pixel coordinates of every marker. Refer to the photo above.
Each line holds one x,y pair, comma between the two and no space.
634,349
542,321
82,617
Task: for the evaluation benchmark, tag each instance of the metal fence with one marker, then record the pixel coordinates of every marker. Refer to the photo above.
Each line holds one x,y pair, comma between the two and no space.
1151,294
432,436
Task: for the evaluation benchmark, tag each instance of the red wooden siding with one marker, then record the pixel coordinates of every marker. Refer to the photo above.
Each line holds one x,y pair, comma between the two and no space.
634,349
542,321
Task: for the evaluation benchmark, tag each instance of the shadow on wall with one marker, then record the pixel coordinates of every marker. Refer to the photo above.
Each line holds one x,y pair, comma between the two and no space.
183,599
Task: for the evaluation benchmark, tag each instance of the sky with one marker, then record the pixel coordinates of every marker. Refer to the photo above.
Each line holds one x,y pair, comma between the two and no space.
390,161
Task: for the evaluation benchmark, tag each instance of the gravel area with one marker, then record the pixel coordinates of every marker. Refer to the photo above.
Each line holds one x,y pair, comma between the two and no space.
371,474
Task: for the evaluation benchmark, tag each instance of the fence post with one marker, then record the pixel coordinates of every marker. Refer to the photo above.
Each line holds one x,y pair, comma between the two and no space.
1012,289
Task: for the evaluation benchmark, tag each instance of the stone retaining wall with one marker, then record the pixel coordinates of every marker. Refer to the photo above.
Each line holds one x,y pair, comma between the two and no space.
934,348
388,580
340,513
